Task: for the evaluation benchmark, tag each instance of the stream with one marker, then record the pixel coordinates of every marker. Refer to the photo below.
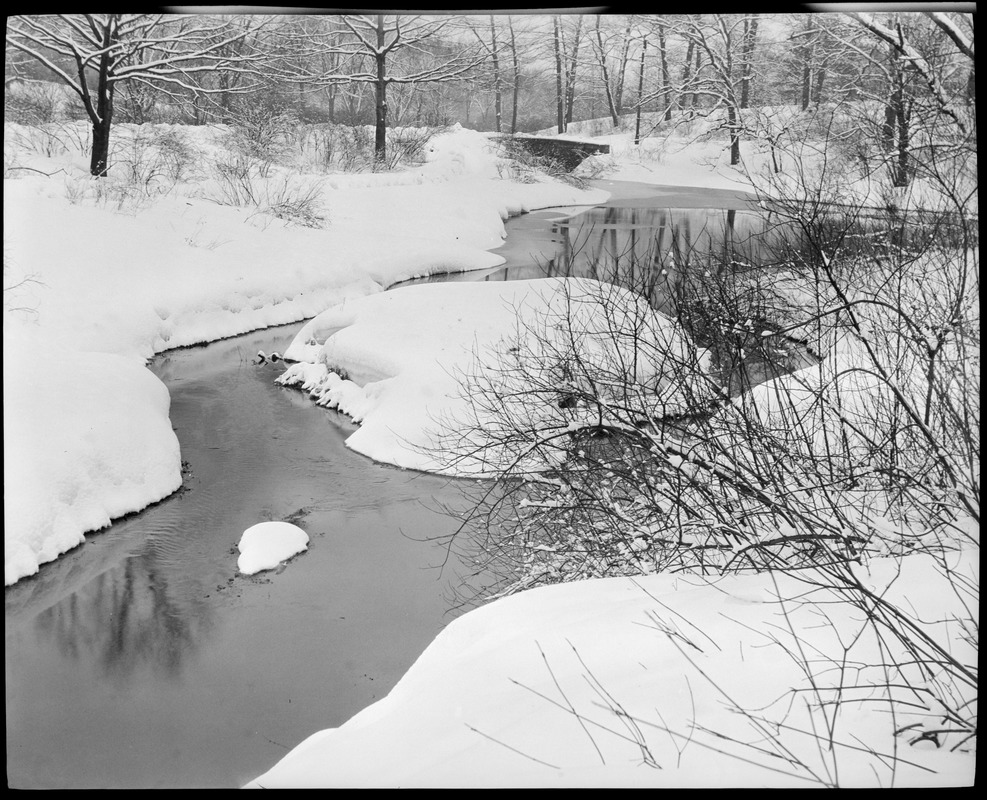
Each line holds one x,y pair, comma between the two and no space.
142,659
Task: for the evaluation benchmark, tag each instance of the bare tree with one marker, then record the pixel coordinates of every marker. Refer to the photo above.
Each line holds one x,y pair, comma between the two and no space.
492,49
613,83
571,69
917,61
566,61
495,57
666,83
384,51
94,54
515,73
380,36
640,92
601,57
559,75
914,70
750,39
720,79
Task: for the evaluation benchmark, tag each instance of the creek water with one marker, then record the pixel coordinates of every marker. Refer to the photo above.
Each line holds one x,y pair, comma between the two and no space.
143,659
644,237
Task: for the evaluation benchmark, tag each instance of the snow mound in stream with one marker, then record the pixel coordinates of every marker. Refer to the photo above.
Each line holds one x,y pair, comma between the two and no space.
268,544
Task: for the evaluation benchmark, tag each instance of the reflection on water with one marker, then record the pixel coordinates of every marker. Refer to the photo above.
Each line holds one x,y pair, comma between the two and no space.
641,243
653,249
129,618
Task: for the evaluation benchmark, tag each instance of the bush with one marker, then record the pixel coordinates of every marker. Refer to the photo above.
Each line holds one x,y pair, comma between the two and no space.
344,148
238,180
261,131
869,447
295,203
242,182
36,103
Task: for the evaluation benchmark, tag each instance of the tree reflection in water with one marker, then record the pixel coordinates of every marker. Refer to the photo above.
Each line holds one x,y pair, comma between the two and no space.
652,250
132,618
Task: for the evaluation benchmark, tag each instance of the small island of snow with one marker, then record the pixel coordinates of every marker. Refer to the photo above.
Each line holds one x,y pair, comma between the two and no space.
268,544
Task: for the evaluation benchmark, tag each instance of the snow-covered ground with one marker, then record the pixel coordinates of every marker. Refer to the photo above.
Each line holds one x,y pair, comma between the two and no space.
616,682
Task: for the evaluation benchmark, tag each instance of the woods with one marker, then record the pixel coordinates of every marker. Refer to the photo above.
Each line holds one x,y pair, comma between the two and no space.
400,70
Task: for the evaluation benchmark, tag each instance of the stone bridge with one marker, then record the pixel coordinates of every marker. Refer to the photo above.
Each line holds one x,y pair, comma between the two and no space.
566,153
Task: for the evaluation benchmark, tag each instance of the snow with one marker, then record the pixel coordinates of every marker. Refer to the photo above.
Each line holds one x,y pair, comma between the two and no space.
86,439
658,667
267,544
612,682
91,270
395,362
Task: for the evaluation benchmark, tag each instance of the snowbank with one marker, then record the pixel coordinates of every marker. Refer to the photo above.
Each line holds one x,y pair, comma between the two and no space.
405,364
86,439
627,682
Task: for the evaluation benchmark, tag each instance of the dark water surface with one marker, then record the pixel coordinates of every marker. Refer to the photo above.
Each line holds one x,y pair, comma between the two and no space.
645,237
142,659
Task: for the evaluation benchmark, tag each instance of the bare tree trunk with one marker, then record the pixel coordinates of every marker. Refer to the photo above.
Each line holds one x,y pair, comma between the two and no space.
640,93
808,51
329,61
606,77
686,69
666,81
622,71
750,35
695,96
900,171
517,76
734,134
890,113
559,96
904,143
99,162
570,92
733,113
498,103
817,92
380,128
